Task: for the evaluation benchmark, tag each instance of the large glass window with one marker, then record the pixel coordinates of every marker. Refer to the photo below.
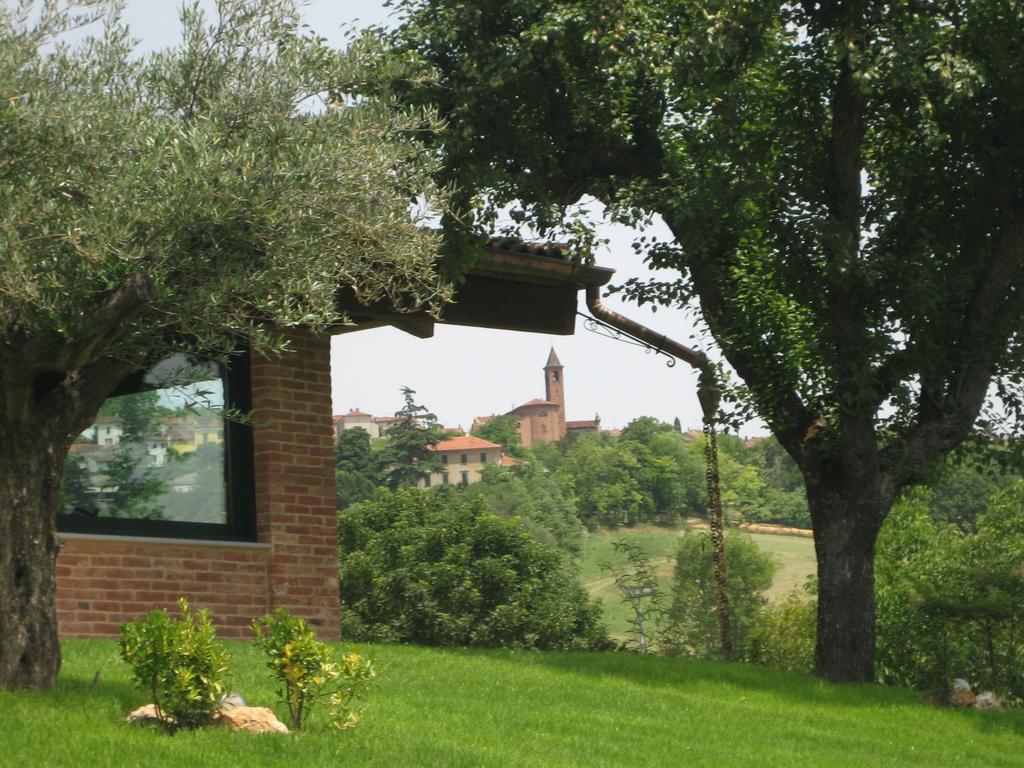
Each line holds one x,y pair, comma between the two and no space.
162,459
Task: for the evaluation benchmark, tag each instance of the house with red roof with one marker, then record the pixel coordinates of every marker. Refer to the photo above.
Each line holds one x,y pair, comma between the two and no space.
462,459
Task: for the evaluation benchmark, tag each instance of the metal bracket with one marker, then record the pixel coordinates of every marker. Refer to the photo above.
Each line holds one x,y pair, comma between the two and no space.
602,328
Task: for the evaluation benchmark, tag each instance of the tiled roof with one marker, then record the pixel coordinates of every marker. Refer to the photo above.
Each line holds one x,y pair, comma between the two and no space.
352,412
535,401
508,461
585,424
515,245
464,443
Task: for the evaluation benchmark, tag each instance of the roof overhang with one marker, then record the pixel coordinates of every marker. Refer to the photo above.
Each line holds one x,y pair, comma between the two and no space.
513,286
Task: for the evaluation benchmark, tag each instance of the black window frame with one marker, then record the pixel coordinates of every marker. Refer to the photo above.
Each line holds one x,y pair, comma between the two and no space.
239,474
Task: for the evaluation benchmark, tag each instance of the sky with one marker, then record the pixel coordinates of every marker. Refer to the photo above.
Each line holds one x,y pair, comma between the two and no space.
465,372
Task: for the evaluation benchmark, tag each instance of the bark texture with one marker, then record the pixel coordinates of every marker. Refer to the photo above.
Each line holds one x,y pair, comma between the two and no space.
30,477
844,543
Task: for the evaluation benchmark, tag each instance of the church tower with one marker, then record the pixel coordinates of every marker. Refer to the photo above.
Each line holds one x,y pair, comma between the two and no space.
554,389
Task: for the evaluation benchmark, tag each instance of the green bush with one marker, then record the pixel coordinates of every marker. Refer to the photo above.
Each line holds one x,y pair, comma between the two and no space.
784,633
306,671
434,568
692,617
179,662
950,602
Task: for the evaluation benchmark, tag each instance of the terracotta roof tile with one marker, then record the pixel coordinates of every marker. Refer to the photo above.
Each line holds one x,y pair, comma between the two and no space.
463,443
515,245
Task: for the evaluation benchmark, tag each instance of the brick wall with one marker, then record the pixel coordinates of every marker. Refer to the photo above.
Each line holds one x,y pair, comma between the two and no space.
102,581
293,442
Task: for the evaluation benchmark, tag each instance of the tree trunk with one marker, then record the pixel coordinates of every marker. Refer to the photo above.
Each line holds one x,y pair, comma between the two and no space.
845,532
31,469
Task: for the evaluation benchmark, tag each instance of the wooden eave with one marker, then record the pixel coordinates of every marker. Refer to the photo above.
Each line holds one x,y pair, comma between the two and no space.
507,289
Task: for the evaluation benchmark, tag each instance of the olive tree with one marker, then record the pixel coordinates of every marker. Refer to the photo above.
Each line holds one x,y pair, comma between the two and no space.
844,186
194,200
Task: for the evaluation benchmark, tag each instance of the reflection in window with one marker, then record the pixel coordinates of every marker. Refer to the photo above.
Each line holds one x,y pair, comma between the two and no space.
156,453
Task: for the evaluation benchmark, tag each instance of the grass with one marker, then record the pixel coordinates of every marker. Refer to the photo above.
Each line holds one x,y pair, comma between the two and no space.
451,708
795,555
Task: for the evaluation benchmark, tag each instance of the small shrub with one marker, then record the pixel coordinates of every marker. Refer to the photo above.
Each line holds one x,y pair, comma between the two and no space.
693,618
784,634
179,662
306,672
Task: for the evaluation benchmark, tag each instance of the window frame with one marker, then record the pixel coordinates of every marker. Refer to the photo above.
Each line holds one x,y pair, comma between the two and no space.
239,475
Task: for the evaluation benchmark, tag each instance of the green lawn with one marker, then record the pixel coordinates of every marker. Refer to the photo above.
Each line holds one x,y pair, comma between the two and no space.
795,555
493,708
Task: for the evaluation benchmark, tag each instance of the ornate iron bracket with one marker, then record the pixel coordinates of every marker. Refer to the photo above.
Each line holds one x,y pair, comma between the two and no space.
602,328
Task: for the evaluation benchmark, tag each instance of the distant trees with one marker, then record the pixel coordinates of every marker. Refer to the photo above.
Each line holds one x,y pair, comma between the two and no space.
650,473
406,457
533,495
504,430
357,470
693,625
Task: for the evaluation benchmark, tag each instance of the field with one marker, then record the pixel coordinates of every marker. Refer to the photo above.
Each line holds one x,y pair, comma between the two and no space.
794,554
501,709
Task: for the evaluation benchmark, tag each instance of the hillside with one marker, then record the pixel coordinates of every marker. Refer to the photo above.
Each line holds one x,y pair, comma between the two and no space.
795,555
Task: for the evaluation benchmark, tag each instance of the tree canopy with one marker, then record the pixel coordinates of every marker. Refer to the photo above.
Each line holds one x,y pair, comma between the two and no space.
844,186
199,199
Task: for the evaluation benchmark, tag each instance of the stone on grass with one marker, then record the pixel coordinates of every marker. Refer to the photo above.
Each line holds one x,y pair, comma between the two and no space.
960,685
987,700
147,714
231,699
962,699
254,719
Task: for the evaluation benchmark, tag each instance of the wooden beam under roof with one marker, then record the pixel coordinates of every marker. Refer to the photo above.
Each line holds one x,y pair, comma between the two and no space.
513,286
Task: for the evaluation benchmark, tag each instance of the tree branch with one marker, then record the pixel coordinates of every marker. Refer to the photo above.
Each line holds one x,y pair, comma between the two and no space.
105,326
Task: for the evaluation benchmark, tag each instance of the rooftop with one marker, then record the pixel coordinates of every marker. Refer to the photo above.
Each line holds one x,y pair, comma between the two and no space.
463,443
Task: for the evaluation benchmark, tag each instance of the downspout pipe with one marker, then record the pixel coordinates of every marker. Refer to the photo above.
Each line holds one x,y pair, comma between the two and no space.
708,391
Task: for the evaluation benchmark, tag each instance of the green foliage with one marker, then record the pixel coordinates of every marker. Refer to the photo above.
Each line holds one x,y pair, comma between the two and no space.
535,498
204,167
950,603
784,634
405,455
646,610
693,621
306,672
178,662
502,429
432,567
135,487
357,468
842,204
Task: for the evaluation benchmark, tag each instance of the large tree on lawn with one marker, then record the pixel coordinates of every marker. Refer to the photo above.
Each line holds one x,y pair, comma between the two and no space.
194,200
844,185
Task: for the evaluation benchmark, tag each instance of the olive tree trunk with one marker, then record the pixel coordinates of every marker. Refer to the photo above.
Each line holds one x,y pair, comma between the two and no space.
31,471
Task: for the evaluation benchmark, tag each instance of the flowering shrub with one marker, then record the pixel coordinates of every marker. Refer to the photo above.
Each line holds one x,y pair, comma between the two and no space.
306,672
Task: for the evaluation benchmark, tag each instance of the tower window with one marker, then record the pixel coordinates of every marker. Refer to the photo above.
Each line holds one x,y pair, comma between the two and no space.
555,375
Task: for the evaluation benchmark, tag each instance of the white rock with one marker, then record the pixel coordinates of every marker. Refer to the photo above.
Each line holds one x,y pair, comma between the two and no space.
987,700
961,686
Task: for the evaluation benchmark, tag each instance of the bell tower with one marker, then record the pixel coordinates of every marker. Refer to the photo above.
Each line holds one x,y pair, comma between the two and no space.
554,389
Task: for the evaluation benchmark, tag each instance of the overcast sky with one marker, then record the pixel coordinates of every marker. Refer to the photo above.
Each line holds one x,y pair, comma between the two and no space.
464,372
